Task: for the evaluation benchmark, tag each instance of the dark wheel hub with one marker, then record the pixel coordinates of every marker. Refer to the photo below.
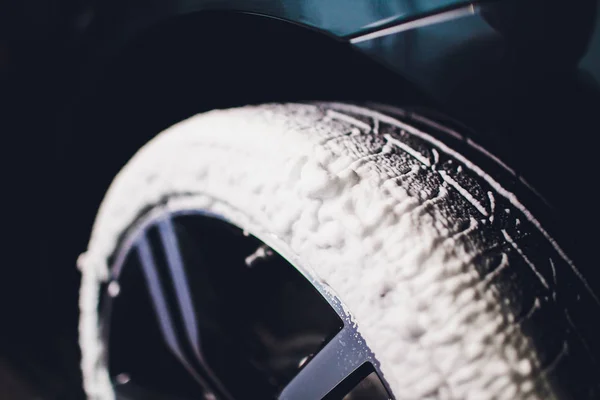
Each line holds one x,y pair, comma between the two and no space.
198,309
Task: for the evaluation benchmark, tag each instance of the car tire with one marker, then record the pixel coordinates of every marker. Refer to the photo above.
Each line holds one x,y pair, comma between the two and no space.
458,289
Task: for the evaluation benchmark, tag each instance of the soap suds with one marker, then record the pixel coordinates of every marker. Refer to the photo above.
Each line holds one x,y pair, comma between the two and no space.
435,331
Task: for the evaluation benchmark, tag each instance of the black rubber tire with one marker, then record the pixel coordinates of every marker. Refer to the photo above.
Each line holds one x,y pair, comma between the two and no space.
458,288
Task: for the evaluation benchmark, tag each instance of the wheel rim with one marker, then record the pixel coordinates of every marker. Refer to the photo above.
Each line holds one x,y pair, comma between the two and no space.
198,308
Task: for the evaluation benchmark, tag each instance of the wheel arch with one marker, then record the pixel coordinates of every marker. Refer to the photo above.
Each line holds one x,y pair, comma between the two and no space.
194,63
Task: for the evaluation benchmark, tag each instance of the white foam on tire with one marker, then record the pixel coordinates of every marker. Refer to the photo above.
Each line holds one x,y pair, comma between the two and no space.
272,169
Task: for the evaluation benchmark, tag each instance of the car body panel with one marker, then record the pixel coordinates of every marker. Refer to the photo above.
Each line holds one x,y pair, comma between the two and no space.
436,45
117,24
337,17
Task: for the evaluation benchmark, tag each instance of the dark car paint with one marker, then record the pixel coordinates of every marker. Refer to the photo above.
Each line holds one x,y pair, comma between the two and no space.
338,17
479,33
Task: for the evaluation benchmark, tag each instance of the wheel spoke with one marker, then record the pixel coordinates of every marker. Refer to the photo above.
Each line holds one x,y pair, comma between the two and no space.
329,367
182,289
185,303
161,309
164,249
